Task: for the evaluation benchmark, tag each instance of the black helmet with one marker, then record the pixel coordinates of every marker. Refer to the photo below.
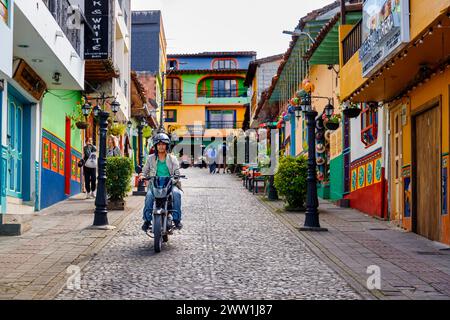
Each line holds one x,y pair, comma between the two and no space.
161,137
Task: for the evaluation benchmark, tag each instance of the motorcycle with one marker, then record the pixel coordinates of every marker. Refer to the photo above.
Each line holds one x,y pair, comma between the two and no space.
162,221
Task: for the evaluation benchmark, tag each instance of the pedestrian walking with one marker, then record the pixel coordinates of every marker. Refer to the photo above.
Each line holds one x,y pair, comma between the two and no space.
211,154
90,168
113,148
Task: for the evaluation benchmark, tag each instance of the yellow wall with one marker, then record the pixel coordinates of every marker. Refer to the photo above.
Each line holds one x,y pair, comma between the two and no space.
439,85
351,72
326,85
425,12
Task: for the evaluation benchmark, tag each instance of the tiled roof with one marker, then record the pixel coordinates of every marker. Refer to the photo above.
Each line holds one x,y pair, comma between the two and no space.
215,54
212,71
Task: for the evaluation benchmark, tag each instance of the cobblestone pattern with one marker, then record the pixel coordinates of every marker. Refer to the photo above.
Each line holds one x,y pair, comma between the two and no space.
231,247
412,267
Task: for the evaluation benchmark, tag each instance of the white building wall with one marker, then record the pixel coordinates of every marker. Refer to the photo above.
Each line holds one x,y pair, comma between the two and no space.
358,149
43,22
6,36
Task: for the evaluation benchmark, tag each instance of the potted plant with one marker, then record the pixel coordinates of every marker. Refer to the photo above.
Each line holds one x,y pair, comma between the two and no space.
117,129
290,181
351,110
119,171
77,117
332,123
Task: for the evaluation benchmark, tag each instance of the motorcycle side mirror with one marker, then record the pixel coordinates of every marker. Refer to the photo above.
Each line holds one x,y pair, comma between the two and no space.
138,169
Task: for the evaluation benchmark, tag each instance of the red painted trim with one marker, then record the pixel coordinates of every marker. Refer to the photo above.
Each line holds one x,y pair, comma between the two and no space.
373,126
181,87
220,77
222,59
174,59
67,157
364,160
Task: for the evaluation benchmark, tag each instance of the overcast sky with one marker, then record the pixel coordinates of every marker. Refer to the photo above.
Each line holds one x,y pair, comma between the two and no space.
229,25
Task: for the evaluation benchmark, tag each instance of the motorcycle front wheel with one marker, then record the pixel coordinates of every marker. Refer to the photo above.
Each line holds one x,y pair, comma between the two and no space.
157,227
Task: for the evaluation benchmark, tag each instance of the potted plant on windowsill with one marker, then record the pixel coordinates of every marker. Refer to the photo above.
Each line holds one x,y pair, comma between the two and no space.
332,123
351,110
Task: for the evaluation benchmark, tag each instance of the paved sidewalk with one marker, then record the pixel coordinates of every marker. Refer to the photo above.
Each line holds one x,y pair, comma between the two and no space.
412,267
34,265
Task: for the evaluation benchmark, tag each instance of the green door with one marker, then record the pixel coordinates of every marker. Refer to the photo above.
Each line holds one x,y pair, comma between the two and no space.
15,147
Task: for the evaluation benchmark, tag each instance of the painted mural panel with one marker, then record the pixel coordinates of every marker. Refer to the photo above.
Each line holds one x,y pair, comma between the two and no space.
354,180
369,174
46,154
361,177
61,161
54,157
378,170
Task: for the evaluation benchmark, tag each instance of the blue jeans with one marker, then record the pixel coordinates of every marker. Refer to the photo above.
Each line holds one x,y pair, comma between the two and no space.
150,199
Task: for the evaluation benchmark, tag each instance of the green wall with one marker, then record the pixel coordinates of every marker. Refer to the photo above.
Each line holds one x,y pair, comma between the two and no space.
337,178
56,105
189,87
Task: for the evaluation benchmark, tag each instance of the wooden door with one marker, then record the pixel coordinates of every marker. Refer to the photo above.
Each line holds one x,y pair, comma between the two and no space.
427,193
396,165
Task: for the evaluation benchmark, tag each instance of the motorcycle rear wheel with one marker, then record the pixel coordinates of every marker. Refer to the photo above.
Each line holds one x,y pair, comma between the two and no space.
157,233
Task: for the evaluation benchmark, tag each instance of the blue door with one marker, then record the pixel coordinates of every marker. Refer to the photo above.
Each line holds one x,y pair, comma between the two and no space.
15,148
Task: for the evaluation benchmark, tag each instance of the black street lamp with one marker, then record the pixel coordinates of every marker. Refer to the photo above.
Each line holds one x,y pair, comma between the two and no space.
312,202
101,213
272,193
141,184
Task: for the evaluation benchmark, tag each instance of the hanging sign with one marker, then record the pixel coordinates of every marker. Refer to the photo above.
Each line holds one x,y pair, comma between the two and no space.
97,41
385,31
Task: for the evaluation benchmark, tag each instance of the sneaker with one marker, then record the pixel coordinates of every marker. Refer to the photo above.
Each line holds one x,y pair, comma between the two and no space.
92,195
146,226
178,225
88,195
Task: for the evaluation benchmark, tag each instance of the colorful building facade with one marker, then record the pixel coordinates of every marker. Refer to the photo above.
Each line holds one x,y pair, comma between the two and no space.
205,94
26,81
405,78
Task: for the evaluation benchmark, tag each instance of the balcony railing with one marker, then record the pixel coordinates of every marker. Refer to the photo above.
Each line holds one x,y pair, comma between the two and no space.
173,95
60,11
225,93
223,125
352,42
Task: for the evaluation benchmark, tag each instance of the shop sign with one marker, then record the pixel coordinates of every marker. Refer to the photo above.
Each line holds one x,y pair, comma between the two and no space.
385,31
97,40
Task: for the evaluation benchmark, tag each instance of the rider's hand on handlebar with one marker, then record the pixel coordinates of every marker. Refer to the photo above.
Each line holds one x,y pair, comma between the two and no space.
141,177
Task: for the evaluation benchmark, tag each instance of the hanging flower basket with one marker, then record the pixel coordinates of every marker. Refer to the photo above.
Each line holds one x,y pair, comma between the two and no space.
332,125
352,112
81,125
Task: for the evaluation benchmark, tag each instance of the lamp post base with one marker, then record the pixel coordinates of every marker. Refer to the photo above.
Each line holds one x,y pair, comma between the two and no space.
105,227
139,193
315,229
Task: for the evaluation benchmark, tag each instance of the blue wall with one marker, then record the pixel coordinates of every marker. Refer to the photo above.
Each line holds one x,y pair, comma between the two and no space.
52,183
205,62
145,30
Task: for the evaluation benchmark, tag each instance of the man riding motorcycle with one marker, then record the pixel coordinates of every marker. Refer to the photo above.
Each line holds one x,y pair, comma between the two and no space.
162,164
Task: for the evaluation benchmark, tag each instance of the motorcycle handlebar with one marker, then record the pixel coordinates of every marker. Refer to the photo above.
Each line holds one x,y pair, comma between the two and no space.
174,176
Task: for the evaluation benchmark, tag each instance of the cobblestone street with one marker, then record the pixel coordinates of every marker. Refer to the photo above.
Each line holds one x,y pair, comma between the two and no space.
231,247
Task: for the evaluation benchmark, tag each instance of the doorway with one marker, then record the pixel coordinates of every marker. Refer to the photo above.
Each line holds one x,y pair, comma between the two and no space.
426,166
396,165
15,130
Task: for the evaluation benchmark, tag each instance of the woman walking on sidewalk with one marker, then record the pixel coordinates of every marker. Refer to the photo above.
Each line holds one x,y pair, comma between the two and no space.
113,148
90,168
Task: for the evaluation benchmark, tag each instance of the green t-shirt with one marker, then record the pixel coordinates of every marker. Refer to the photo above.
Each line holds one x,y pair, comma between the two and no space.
162,170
